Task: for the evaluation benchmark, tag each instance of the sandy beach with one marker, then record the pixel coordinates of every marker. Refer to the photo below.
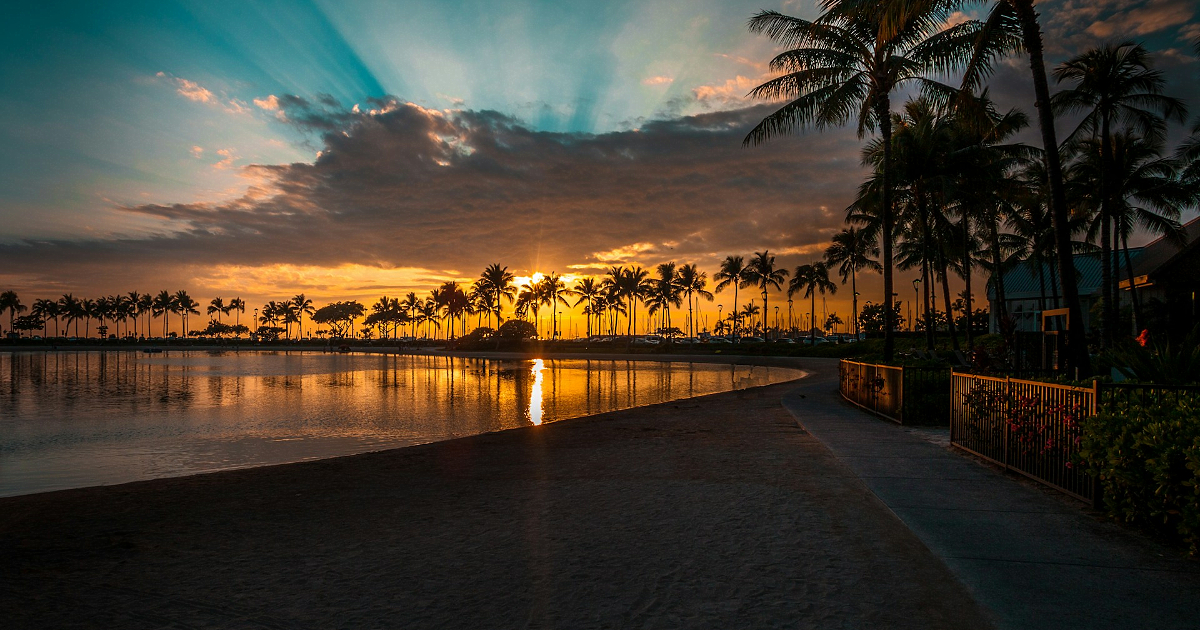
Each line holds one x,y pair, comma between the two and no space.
717,512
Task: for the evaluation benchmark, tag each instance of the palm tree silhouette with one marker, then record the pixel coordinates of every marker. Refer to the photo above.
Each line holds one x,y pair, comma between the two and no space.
851,250
1114,84
302,306
812,278
1141,190
732,273
749,311
693,282
497,282
217,305
238,306
45,310
161,306
761,271
9,301
847,63
588,291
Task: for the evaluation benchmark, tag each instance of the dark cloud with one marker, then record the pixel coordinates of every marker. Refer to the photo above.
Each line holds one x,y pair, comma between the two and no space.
397,185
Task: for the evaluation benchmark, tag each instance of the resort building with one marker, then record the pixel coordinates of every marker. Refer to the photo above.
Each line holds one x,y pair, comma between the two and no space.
1166,275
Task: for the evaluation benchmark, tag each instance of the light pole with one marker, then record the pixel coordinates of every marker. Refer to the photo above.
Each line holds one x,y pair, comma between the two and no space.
777,319
719,307
854,316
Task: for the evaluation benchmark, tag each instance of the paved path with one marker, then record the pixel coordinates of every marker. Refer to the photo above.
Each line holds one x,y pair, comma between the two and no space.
1033,560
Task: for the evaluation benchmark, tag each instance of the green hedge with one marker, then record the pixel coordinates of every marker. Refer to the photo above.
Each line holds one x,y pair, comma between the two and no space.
1147,457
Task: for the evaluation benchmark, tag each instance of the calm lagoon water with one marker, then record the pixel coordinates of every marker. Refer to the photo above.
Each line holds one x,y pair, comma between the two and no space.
75,419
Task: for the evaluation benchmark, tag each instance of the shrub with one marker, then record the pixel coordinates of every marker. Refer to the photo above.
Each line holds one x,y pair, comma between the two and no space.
517,329
1147,457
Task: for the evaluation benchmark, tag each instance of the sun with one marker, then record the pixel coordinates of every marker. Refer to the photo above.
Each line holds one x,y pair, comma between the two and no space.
537,277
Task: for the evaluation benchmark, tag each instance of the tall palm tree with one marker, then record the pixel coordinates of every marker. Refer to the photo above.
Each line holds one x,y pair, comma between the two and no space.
812,278
761,271
693,282
666,290
1114,84
497,283
732,274
162,306
70,310
845,64
553,291
851,250
304,306
588,291
1012,26
217,306
749,311
87,307
9,301
184,305
1142,190
45,310
633,285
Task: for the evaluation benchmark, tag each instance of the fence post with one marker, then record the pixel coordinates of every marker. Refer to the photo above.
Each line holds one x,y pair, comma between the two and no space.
900,407
953,396
1097,487
1007,415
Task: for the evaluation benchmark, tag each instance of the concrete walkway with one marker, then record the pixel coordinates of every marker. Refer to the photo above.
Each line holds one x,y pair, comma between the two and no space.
1031,559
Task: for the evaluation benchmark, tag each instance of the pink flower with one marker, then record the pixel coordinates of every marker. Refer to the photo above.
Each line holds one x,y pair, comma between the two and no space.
1144,338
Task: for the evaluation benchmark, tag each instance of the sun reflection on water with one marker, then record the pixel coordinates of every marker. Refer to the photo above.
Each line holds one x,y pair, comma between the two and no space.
535,397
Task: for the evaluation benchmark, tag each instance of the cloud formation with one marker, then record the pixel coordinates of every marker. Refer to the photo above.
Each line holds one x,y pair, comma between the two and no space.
400,186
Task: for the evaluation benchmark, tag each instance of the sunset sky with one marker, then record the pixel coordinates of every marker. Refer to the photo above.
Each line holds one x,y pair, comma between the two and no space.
360,148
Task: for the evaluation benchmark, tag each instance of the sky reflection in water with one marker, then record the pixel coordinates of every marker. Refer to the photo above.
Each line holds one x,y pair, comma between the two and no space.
74,419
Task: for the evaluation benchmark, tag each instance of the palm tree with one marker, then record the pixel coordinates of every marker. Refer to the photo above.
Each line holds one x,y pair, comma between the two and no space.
1114,84
217,305
732,273
761,271
552,292
666,291
1012,26
161,306
184,305
693,282
303,306
497,282
44,310
11,303
749,311
588,291
633,285
812,278
845,64
851,250
1142,191
87,308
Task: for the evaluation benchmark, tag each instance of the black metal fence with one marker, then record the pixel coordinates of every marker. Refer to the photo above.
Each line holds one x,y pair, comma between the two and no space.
905,395
878,388
1026,426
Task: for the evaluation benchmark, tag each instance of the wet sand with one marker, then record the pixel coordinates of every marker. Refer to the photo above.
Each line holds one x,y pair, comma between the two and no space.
714,512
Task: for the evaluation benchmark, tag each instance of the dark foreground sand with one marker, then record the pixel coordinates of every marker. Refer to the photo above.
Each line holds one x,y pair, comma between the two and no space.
717,512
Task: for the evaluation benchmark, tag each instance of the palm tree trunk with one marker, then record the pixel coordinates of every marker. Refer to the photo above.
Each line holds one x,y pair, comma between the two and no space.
854,297
998,274
1041,283
1077,352
812,314
967,302
945,270
1133,294
926,283
883,110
